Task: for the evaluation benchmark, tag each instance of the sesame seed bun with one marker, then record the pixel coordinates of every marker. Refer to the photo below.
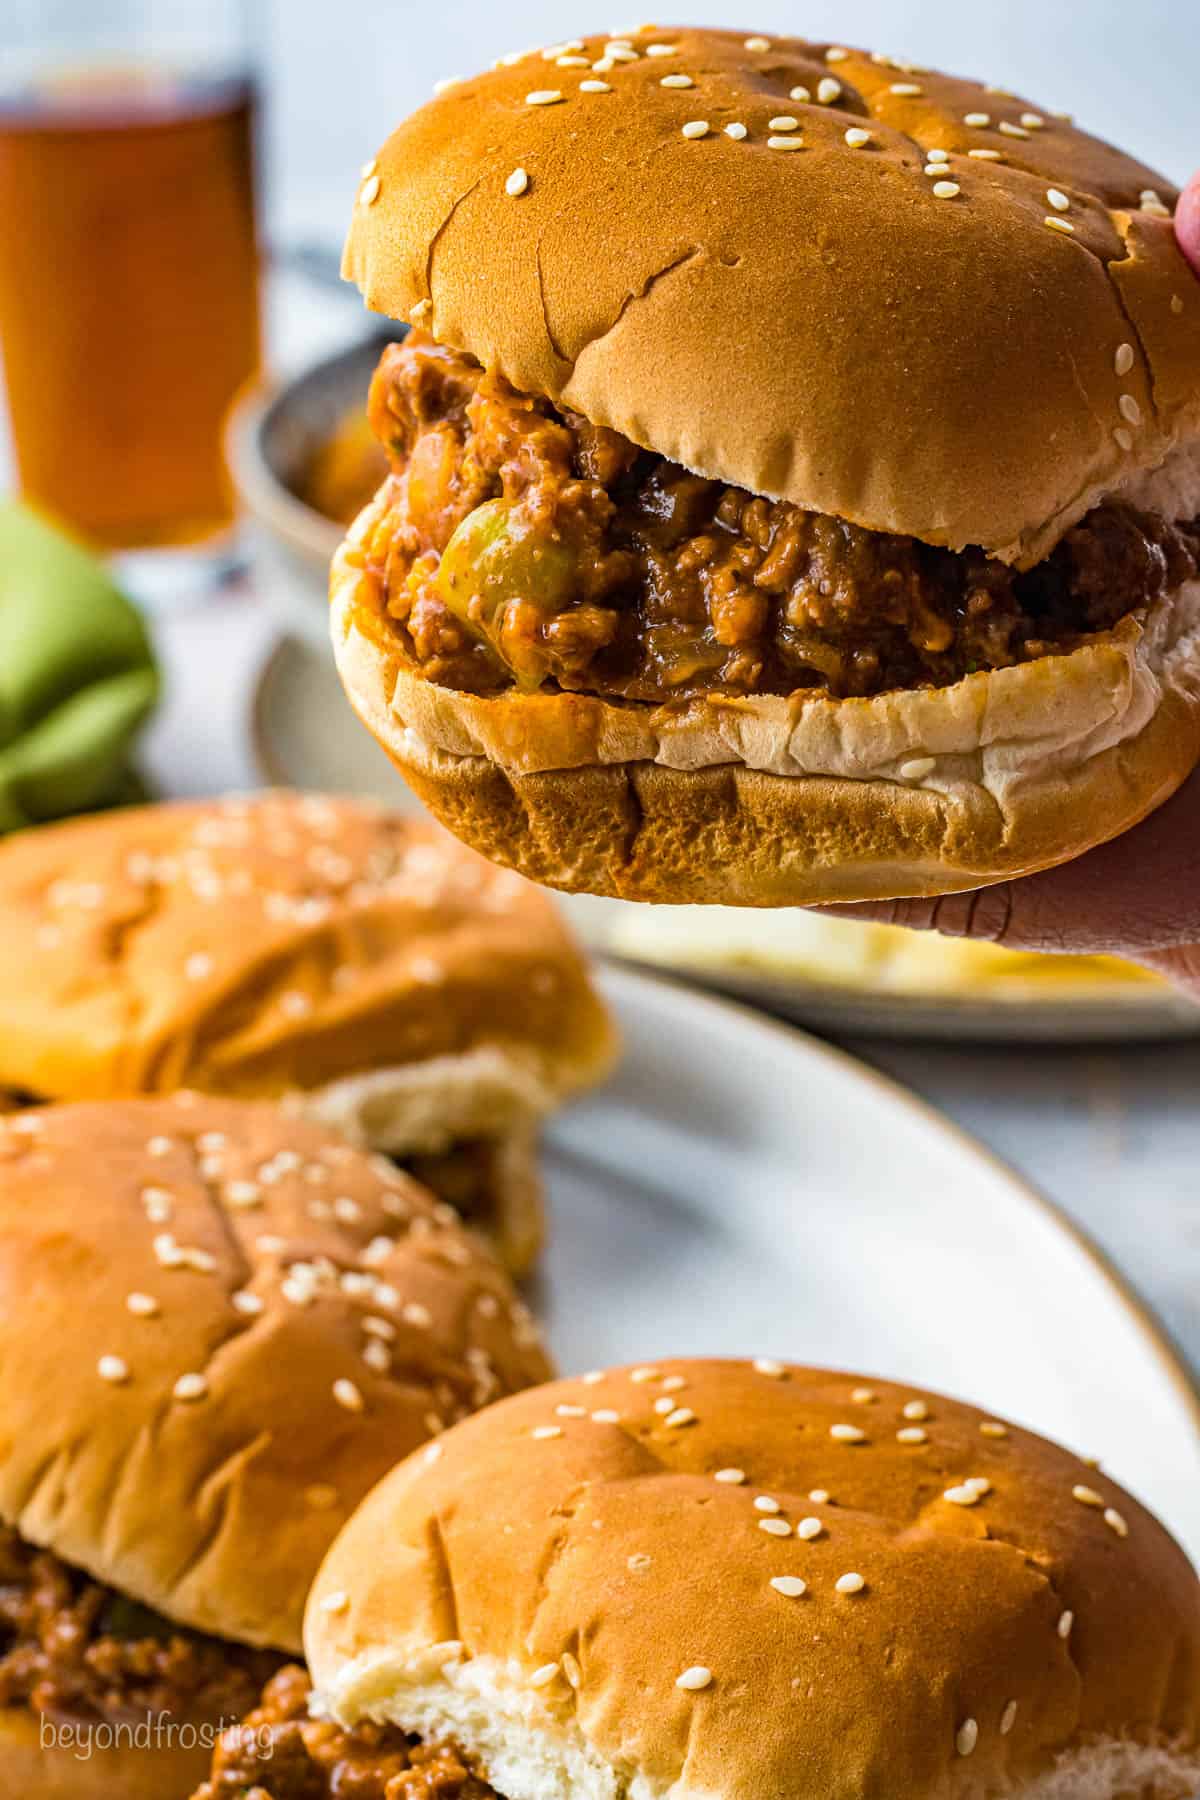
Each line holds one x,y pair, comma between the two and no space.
358,962
833,328
655,1603
189,1292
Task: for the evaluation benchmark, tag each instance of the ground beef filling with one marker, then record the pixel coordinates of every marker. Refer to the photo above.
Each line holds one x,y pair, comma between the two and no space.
279,1753
520,544
76,1650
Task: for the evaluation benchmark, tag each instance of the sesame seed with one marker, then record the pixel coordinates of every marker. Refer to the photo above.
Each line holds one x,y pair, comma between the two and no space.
665,1405
644,1374
517,183
730,1477
571,1412
1057,224
546,1431
376,1356
912,1434
964,1495
1087,1496
918,767
856,137
243,1194
1064,1625
847,1434
593,1377
661,49
142,1306
784,122
979,1483
543,97
1032,121
1058,200
836,55
977,120
1130,409
677,81
937,156
906,90
1123,438
113,1368
1124,359
606,1416
571,62
446,83
571,1669
198,966
335,1602
946,190
671,1384
828,90
758,43
368,168
775,1527
683,1415
800,93
420,309
542,1677
790,1586
693,1679
850,1584
820,1497
190,1387
695,128
916,1410
159,1146
967,1738
986,155
808,1529
250,1305
765,1503
766,1365
595,87
992,1428
369,192
1116,1522
736,130
348,1395
1011,130
1152,202
603,64
621,52
1008,1718
638,1563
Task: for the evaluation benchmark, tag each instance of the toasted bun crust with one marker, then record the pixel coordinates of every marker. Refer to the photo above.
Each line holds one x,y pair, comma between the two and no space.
77,1768
942,368
537,1590
357,961
790,800
190,1202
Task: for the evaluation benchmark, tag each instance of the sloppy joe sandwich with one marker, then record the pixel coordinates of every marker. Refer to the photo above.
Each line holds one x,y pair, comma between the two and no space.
739,1579
795,473
357,963
218,1328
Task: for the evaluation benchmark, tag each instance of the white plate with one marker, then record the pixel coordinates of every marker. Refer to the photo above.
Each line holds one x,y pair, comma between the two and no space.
306,736
738,1189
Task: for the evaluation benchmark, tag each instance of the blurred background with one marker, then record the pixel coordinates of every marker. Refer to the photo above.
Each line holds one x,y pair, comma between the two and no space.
185,376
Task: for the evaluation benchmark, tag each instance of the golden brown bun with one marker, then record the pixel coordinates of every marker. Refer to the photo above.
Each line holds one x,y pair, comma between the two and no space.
819,326
360,961
536,1591
78,1768
791,800
216,1508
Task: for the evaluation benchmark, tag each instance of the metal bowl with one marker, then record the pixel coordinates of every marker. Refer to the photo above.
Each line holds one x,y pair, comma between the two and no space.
273,434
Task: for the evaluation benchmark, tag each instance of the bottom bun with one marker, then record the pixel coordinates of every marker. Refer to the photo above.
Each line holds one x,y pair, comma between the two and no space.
793,800
40,1761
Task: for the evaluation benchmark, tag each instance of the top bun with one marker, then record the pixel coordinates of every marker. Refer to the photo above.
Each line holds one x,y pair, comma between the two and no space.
748,1579
820,327
291,944
218,1328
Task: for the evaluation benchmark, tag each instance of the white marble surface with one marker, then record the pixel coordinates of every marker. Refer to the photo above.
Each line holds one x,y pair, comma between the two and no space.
1111,1135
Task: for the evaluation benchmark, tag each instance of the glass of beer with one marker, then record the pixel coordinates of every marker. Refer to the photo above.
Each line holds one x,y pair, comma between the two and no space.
129,312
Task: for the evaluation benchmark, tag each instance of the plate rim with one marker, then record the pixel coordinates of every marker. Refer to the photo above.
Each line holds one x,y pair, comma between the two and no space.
1167,1353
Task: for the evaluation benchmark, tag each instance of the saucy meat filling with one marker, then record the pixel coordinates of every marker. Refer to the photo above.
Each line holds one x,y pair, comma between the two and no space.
75,1649
522,545
279,1753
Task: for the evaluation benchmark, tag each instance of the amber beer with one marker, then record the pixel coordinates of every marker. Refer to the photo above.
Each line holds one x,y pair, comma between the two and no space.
128,297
